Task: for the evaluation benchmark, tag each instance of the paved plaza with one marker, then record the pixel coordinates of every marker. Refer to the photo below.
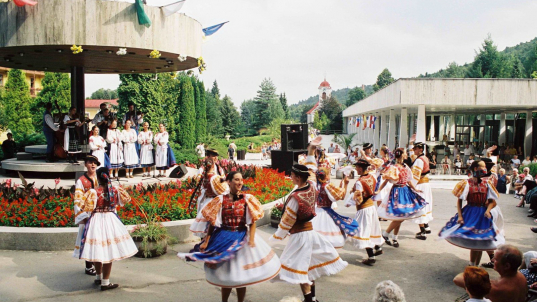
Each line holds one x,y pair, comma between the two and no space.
424,269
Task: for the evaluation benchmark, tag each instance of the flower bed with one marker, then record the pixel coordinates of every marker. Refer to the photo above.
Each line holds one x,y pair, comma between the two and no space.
26,206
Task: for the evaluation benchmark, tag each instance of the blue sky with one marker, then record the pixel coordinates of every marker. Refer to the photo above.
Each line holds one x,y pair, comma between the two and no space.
297,42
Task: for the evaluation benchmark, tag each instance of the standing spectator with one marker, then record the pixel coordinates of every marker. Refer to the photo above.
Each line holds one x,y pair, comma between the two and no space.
200,150
503,180
232,145
527,161
250,147
337,150
49,128
515,162
230,152
264,151
456,151
9,147
432,164
467,152
331,148
447,150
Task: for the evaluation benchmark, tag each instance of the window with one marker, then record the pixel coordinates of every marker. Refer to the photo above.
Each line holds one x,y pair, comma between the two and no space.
32,83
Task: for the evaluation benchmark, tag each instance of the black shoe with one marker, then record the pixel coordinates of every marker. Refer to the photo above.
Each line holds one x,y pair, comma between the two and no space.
533,230
378,252
421,236
427,231
109,286
532,215
388,242
488,265
369,261
90,271
396,243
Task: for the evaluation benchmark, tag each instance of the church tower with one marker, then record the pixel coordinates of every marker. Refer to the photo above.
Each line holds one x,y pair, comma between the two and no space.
325,91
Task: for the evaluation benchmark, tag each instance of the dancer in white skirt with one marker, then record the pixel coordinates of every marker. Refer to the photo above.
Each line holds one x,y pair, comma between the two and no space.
211,176
369,233
403,201
129,138
83,184
234,256
105,238
473,227
307,255
145,139
161,154
97,145
386,158
420,171
114,138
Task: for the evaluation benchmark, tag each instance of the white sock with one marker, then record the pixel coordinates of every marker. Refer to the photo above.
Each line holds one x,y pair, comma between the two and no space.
105,282
394,237
385,234
99,276
471,263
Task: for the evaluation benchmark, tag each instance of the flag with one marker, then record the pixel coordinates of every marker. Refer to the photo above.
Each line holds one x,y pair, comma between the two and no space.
373,119
212,29
357,121
172,8
21,3
350,121
365,122
143,19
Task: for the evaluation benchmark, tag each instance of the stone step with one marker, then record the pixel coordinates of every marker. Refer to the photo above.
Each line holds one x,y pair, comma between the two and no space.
24,156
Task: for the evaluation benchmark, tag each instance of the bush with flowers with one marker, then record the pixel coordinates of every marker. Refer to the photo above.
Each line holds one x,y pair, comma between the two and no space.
27,206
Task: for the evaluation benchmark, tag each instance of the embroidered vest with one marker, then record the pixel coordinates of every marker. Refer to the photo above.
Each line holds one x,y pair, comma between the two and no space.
477,193
323,200
426,168
368,184
233,212
306,198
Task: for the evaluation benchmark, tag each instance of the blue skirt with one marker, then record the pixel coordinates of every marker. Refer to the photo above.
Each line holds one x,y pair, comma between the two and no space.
477,232
347,225
403,202
223,245
107,161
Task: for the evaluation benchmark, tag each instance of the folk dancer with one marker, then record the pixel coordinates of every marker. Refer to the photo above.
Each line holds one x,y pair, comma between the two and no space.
162,156
370,233
105,238
83,184
70,138
420,171
97,146
115,138
145,139
234,256
307,255
212,185
381,167
473,227
129,138
402,202
48,129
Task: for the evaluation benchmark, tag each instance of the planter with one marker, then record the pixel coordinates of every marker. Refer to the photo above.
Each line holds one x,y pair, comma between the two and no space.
274,221
155,248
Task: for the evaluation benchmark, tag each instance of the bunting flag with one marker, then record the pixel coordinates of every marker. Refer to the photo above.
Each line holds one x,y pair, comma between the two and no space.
172,8
364,123
143,19
350,121
373,119
212,29
21,3
357,121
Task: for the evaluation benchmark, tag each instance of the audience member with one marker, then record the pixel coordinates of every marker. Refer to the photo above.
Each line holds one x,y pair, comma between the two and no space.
515,162
432,164
527,172
446,163
529,268
518,184
477,283
9,147
337,150
503,180
511,286
527,161
387,291
331,148
457,162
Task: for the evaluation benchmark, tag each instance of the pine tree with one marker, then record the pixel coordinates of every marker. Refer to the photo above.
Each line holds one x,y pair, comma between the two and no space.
355,95
247,116
517,69
230,117
215,91
384,79
489,62
283,102
267,105
187,114
16,103
201,113
56,89
214,118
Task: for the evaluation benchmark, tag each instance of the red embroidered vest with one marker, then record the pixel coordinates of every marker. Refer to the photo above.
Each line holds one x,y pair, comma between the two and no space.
477,193
426,168
323,201
86,182
368,184
209,193
233,212
306,198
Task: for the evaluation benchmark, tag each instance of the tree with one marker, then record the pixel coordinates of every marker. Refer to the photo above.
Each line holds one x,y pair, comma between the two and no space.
331,108
214,118
104,94
383,79
356,94
187,114
453,70
215,91
488,62
201,113
317,123
517,69
247,116
344,141
56,90
16,102
267,105
230,117
283,102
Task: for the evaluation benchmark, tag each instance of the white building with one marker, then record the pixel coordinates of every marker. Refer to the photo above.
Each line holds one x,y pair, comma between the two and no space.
325,91
455,110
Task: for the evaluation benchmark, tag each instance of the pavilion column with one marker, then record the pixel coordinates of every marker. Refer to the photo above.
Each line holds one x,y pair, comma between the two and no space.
482,122
529,133
403,131
383,129
421,124
391,130
451,127
442,128
432,133
376,131
503,130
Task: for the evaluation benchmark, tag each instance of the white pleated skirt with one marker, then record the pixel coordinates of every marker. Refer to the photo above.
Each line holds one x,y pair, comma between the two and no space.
497,218
107,239
200,224
428,196
307,257
325,225
251,265
130,155
384,192
369,232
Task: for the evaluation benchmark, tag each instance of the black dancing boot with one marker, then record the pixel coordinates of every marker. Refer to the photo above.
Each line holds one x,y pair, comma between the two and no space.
427,228
308,298
421,234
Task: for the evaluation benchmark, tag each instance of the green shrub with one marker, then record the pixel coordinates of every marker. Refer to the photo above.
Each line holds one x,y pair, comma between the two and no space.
533,169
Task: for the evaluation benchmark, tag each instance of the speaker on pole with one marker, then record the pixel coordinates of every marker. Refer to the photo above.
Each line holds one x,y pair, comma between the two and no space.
178,172
294,136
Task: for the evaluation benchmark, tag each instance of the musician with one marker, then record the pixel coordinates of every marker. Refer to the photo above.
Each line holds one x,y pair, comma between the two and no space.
136,118
48,129
70,144
104,122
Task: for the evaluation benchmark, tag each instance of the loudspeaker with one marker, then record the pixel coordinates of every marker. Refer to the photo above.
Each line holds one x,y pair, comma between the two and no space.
178,172
284,160
294,136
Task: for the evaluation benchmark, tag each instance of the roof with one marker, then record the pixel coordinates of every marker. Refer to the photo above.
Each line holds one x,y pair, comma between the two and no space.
313,108
325,84
97,103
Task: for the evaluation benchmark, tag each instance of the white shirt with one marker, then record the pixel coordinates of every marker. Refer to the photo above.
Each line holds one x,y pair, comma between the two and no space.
467,151
50,122
526,162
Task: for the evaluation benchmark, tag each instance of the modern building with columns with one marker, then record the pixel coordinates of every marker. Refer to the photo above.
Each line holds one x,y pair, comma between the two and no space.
453,110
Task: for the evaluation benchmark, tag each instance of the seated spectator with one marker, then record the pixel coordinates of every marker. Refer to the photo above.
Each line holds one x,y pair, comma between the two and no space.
9,147
527,172
337,150
446,163
470,160
477,283
511,286
529,268
527,161
518,185
432,164
515,162
534,161
387,291
457,163
503,180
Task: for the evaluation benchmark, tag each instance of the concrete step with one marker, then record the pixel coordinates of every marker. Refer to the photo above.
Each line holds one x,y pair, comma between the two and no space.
24,156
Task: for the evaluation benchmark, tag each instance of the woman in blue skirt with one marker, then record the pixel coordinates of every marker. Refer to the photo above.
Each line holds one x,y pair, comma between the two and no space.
402,202
473,227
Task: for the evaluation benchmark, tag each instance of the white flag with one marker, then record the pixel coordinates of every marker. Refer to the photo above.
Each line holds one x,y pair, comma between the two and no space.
171,9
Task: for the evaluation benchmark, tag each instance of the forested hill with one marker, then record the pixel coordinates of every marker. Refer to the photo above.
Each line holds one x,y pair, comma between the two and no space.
340,94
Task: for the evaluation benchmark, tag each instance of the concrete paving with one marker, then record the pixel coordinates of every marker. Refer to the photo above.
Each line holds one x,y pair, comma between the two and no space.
423,269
